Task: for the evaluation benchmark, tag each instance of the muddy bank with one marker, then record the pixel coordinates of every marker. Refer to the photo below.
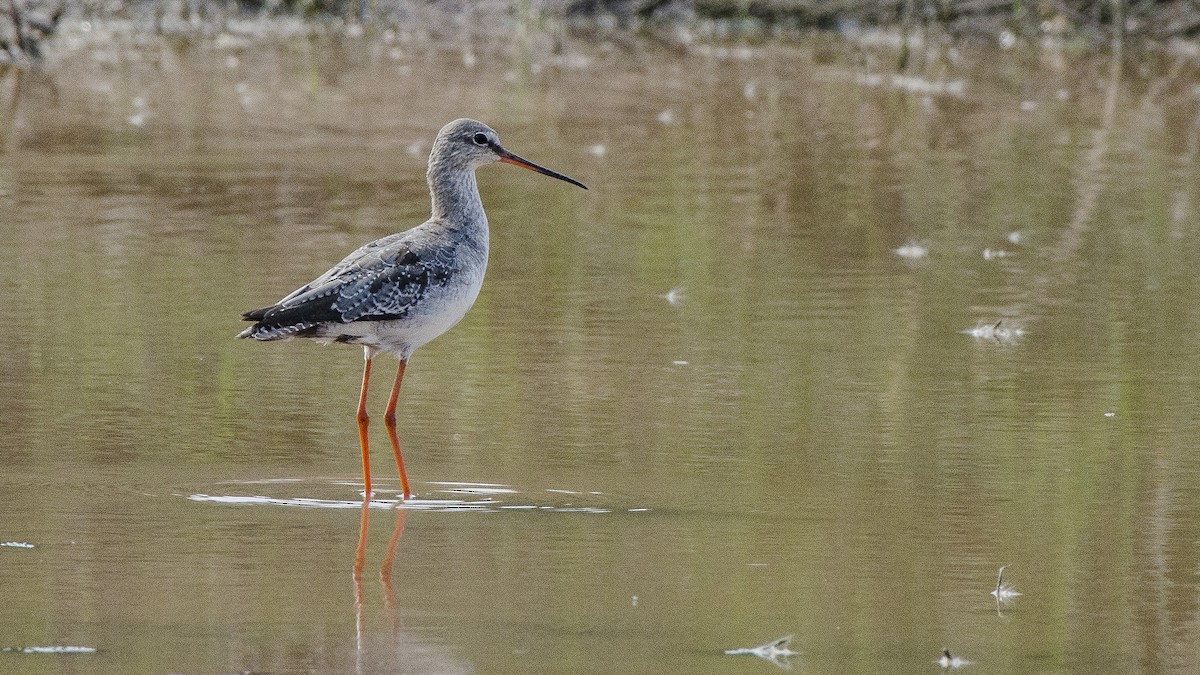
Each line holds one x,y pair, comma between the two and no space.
28,30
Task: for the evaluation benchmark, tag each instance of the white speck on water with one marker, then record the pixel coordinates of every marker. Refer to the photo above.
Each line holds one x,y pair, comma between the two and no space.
1016,237
469,59
776,651
750,90
998,332
16,544
912,251
137,119
994,253
1028,106
53,649
1003,592
679,363
666,117
674,296
1007,39
231,62
633,601
1110,414
915,85
948,660
246,95
598,150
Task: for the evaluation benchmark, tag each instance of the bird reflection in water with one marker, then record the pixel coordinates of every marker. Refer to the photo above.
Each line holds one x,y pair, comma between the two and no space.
385,577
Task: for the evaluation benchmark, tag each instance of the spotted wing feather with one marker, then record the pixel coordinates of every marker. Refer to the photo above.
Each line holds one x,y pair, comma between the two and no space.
380,281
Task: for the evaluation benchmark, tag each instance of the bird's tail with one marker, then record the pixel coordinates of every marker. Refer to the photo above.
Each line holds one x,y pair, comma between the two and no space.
276,325
258,330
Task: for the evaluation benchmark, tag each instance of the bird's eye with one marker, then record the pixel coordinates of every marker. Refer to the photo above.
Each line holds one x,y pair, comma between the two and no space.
480,138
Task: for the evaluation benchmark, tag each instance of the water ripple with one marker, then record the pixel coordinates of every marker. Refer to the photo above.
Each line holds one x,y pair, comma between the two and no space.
491,497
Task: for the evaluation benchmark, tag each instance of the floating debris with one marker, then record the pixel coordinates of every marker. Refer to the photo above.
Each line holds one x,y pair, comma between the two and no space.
997,332
949,660
994,253
51,649
912,251
1003,592
1107,414
674,296
15,544
776,651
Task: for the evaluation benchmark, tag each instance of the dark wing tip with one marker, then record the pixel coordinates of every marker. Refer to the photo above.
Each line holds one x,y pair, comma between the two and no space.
256,314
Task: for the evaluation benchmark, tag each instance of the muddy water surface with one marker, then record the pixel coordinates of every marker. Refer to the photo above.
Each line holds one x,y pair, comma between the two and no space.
700,406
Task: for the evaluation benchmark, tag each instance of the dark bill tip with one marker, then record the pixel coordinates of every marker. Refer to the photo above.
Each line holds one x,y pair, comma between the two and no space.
516,160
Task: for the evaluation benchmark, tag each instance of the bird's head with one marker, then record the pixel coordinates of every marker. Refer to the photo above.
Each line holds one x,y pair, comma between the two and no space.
468,144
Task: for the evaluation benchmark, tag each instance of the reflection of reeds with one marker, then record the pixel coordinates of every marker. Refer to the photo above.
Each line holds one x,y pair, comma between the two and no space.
21,42
1092,176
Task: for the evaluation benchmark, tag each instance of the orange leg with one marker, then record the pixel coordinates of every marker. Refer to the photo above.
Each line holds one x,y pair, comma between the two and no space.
389,420
363,421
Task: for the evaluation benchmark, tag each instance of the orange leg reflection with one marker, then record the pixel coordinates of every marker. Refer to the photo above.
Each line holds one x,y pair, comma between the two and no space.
385,574
360,560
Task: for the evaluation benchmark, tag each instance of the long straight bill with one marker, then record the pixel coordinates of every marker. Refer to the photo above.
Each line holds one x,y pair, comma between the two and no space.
516,160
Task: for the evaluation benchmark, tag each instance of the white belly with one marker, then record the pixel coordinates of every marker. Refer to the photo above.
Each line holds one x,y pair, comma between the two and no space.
437,313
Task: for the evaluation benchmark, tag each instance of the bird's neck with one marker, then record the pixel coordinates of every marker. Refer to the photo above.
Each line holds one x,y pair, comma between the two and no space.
455,197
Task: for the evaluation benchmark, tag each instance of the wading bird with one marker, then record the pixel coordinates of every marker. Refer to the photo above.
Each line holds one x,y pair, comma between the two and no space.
399,292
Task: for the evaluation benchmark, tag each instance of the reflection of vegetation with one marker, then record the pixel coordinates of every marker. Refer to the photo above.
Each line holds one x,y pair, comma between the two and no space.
25,28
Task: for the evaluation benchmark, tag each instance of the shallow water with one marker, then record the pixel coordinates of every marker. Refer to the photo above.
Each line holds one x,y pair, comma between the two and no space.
700,406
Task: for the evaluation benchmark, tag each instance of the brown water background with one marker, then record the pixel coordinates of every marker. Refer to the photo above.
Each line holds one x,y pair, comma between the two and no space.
702,405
